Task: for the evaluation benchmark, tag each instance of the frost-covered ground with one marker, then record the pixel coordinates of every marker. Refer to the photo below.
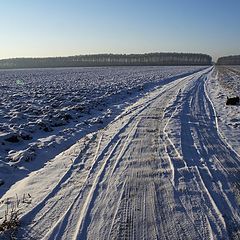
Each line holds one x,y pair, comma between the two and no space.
44,111
158,167
226,83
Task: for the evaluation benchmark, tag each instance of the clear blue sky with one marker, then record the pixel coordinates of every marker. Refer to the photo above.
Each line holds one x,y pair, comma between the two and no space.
72,27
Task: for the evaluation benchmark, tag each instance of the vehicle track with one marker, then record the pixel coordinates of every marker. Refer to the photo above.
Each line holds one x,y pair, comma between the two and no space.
208,149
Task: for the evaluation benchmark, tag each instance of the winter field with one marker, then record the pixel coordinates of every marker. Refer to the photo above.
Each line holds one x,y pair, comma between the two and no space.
43,110
120,153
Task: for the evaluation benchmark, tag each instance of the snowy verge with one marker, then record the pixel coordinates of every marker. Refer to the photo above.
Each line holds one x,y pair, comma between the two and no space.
227,117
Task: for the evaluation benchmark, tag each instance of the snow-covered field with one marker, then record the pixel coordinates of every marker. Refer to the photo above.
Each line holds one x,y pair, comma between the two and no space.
147,155
44,111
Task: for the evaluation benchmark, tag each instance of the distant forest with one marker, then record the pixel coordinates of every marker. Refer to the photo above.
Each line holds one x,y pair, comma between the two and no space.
230,60
153,59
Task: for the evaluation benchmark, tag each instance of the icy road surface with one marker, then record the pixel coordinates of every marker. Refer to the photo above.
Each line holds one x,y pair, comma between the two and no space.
160,170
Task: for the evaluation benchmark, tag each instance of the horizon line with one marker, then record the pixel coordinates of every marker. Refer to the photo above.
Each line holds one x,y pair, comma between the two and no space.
94,54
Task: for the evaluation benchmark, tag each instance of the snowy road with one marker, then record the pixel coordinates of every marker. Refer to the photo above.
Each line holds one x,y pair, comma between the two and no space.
161,170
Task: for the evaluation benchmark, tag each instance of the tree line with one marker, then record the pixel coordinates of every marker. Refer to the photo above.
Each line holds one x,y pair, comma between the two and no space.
229,60
148,59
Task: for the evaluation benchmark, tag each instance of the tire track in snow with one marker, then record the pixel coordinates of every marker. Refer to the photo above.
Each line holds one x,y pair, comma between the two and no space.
77,234
57,187
92,191
199,109
125,233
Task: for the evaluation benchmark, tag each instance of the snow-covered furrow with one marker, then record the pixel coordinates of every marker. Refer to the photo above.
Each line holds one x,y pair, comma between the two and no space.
161,170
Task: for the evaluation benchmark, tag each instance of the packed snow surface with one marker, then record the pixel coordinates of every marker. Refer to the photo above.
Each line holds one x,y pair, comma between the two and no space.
150,157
